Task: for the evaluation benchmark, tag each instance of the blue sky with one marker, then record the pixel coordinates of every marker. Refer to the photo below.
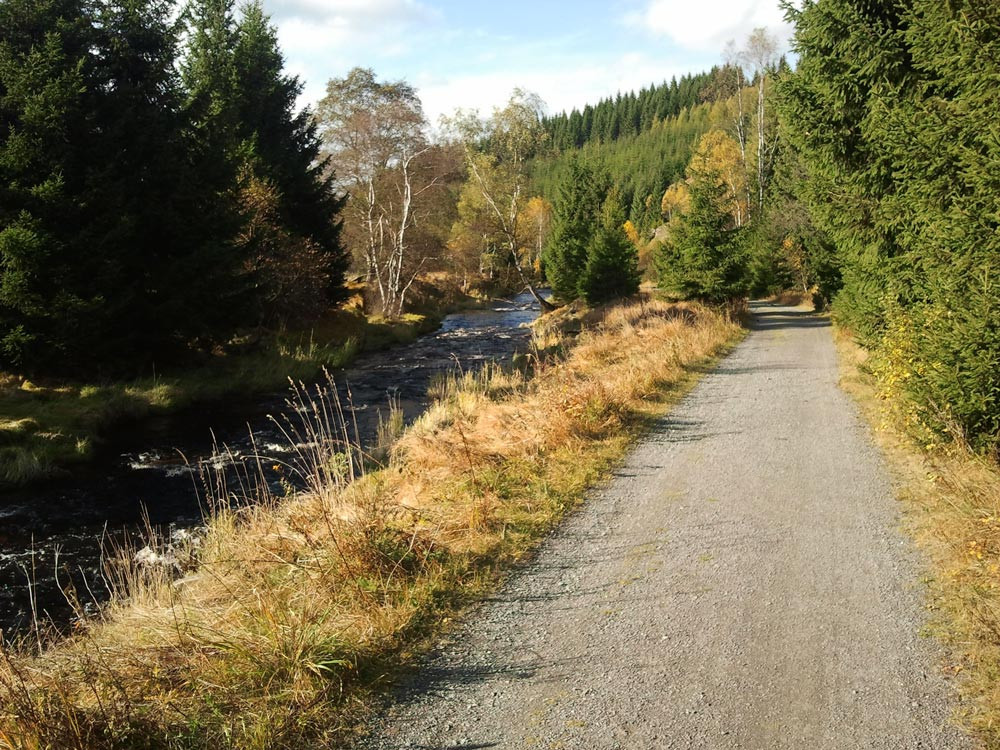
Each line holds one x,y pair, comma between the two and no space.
472,54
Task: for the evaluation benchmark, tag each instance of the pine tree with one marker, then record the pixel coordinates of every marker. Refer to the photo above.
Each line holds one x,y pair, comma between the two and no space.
612,269
704,259
46,100
576,214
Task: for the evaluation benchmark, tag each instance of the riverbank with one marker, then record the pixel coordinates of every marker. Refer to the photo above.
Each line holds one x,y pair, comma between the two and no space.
47,427
290,612
149,471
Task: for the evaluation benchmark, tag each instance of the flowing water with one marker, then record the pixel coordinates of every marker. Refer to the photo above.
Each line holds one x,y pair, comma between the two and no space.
53,535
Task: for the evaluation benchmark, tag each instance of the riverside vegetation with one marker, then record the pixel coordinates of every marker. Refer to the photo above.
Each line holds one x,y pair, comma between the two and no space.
862,175
267,631
49,424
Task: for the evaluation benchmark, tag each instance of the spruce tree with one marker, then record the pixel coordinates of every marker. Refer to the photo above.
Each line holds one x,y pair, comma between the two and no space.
575,219
47,92
209,80
163,219
703,258
891,111
244,106
612,269
284,146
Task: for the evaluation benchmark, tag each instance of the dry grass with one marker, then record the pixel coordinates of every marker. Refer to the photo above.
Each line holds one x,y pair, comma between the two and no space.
952,503
271,630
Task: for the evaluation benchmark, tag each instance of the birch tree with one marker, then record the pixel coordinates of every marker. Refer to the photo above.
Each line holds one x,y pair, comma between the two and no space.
753,124
733,72
374,133
717,158
761,58
497,153
537,225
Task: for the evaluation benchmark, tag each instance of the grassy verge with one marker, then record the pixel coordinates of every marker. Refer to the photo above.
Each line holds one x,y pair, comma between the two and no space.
287,615
952,501
47,426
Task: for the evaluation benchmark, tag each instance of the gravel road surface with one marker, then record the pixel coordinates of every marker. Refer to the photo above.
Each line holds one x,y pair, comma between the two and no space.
742,582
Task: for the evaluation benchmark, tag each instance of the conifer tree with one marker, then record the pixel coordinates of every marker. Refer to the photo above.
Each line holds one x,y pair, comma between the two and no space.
244,106
163,221
46,94
703,258
115,242
209,79
285,146
891,112
612,269
576,216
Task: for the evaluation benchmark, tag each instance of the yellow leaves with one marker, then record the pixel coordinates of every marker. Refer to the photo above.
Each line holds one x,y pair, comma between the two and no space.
538,212
676,200
717,154
632,233
719,160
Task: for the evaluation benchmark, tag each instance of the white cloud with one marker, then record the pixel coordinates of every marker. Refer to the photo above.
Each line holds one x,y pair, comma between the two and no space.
355,15
706,25
562,89
311,27
321,38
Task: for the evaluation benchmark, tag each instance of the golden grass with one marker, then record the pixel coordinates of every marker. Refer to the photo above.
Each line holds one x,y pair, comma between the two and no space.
952,501
272,629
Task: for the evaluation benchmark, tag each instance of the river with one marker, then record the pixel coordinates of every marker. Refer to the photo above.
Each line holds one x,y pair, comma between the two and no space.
51,534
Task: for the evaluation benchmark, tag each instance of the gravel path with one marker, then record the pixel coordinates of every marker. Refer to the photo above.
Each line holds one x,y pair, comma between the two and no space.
741,583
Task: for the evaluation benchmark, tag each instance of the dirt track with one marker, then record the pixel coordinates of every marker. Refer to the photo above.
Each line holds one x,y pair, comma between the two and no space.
741,583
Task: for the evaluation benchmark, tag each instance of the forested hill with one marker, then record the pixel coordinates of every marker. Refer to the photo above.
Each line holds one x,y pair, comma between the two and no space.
641,166
627,114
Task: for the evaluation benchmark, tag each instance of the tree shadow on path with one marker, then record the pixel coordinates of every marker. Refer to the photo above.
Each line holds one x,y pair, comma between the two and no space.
767,316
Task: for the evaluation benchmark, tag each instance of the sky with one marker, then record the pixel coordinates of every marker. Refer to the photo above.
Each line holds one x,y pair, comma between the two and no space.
470,54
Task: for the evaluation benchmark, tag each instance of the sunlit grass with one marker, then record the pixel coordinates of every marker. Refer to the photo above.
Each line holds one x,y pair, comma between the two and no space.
294,607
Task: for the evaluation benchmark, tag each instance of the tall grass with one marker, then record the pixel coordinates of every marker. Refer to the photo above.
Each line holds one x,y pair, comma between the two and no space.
48,427
298,598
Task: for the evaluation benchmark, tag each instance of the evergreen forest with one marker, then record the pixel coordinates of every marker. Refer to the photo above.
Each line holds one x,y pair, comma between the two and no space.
159,188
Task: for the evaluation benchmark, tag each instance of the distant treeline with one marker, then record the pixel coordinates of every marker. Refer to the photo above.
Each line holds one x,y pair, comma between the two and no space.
627,114
158,188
